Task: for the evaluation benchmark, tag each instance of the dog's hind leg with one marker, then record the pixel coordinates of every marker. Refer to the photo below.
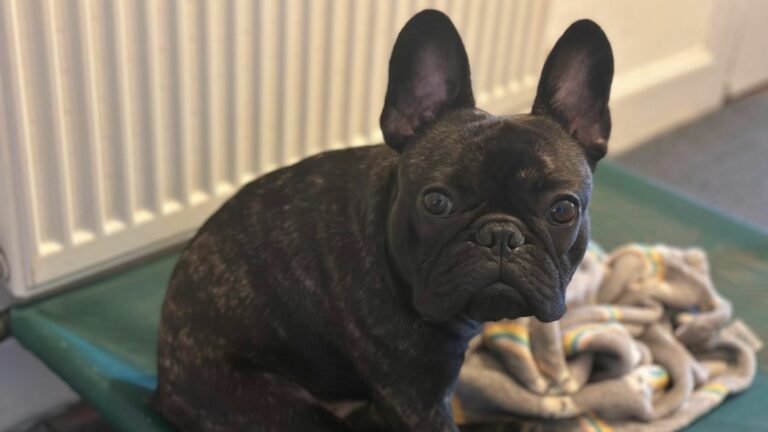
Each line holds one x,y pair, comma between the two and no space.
202,388
232,401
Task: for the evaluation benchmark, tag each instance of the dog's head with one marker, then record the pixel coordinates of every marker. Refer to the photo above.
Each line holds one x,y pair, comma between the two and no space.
489,219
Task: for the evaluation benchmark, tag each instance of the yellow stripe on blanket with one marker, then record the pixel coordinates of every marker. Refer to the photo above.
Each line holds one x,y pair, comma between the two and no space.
653,261
656,376
715,390
592,423
613,313
575,339
507,330
659,268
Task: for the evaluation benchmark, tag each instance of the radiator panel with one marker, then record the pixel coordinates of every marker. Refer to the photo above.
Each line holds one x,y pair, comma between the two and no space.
130,121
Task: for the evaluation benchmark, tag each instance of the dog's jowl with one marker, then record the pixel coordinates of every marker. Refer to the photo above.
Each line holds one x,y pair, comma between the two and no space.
340,293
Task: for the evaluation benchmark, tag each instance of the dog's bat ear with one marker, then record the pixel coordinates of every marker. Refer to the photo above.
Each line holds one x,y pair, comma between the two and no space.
575,86
428,75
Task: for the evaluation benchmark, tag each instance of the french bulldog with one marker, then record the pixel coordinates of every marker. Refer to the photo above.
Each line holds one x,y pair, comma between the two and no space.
340,293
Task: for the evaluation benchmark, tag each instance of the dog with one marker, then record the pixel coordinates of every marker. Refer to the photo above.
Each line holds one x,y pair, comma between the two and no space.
340,293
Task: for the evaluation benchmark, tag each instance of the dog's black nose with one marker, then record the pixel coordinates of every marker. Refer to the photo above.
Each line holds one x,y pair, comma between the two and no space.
498,234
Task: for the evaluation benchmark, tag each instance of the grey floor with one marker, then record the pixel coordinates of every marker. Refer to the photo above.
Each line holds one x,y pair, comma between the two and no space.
721,159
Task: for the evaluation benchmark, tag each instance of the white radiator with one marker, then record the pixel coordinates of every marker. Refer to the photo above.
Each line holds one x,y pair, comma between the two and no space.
125,123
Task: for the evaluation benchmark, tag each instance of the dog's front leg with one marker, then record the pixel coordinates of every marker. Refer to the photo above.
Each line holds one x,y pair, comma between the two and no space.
408,413
407,401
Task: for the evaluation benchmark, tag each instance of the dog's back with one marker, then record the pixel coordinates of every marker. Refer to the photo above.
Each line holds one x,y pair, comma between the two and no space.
242,307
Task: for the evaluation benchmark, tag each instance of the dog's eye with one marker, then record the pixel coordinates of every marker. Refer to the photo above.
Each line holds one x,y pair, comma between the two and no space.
438,204
562,212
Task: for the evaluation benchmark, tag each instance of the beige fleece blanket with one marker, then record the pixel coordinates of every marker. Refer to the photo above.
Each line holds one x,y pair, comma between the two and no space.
647,344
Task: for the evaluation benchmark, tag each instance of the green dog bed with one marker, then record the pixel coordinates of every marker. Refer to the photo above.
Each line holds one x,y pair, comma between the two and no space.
100,337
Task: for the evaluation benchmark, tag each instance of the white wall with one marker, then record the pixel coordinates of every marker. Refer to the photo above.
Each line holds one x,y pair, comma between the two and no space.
747,62
670,59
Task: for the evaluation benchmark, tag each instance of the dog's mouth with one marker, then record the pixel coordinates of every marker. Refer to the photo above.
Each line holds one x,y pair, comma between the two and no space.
496,301
500,300
466,283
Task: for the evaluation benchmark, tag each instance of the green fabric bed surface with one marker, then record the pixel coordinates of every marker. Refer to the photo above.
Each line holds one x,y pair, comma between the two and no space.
100,337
